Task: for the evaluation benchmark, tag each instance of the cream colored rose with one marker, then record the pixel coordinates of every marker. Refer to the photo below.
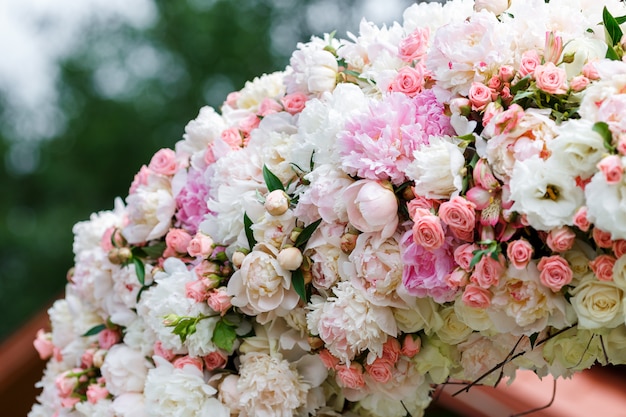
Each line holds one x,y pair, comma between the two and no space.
615,343
422,315
476,318
571,351
598,304
619,272
453,331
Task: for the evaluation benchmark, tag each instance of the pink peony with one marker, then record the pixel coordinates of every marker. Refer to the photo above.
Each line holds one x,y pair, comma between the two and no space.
371,207
379,143
191,204
425,271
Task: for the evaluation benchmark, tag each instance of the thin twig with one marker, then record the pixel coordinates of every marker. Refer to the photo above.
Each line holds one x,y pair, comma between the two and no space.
542,407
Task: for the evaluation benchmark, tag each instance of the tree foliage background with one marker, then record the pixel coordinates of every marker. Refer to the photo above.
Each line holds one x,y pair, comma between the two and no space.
124,93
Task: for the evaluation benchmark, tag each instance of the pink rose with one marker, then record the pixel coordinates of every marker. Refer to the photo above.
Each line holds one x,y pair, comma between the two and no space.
579,83
427,230
111,234
414,46
411,345
182,361
372,207
530,61
86,359
491,110
96,392
205,269
249,123
506,73
197,290
164,162
294,103
464,254
108,338
621,144
458,213
65,383
69,402
495,83
612,169
555,272
141,178
219,300
350,376
269,106
391,350
177,240
380,370
479,96
409,80
159,350
619,248
43,344
508,119
519,253
231,99
580,219
232,136
602,267
457,278
551,78
561,239
200,245
602,238
476,297
488,271
215,360
327,358
590,71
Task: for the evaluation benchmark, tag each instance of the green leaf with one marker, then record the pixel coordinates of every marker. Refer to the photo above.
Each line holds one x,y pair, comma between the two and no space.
478,255
522,95
620,19
611,54
154,251
611,26
224,336
140,270
520,85
297,280
305,235
247,223
602,129
533,339
95,330
353,73
271,181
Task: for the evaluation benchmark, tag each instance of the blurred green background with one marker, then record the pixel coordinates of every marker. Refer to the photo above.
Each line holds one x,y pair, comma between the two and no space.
89,90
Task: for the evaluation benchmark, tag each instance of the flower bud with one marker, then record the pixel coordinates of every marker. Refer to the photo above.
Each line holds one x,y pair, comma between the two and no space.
238,258
277,202
315,342
119,256
348,242
290,258
98,358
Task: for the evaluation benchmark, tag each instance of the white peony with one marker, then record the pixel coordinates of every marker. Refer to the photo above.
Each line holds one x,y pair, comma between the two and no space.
124,370
545,193
314,69
265,86
102,408
200,133
130,404
88,234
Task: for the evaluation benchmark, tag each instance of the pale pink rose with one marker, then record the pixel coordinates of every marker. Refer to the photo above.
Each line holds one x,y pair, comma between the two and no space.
141,178
459,214
602,267
414,46
182,361
108,338
86,359
96,392
519,252
488,271
380,370
372,207
391,350
602,238
200,245
205,269
476,297
328,359
479,96
619,247
495,83
232,136
457,278
269,106
530,61
420,202
612,169
491,110
551,79
350,376
177,240
294,103
248,124
590,71
69,402
65,383
197,290
219,300
621,144
508,119
411,345
159,350
409,80
215,360
427,230
561,239
580,219
463,255
43,344
506,73
579,83
555,272
232,98
164,162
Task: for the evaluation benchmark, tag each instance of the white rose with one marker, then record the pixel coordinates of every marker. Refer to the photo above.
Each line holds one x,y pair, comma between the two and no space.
453,331
496,7
436,169
585,49
598,304
545,193
124,370
372,207
578,148
606,205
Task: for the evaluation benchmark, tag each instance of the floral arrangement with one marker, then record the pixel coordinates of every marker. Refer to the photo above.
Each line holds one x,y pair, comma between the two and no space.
439,200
